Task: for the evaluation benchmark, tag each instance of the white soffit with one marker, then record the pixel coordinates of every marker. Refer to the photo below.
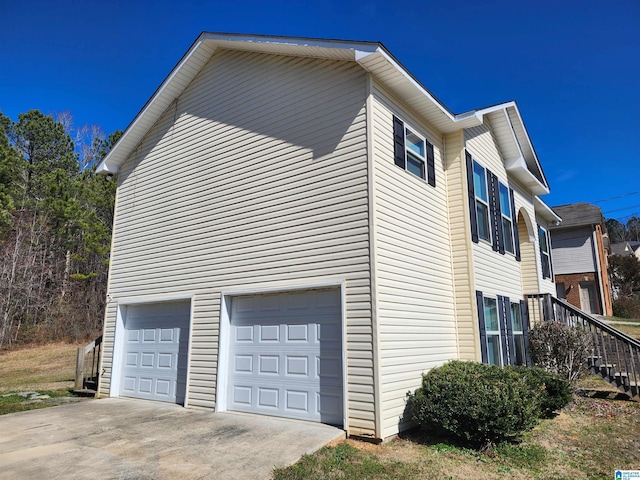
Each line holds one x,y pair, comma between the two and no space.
545,211
525,144
517,152
372,56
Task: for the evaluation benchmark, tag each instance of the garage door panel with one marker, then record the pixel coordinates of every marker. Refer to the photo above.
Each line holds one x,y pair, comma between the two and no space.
268,333
286,355
155,357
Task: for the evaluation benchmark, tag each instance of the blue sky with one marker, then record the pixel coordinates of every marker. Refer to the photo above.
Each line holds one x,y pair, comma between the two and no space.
572,66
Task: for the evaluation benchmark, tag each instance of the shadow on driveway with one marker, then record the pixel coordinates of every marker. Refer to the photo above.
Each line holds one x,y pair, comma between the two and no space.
126,439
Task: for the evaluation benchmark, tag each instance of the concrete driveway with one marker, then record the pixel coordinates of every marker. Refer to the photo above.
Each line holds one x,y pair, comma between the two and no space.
135,439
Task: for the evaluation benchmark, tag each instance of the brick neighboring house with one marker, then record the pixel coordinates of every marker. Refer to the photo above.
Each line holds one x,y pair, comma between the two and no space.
580,247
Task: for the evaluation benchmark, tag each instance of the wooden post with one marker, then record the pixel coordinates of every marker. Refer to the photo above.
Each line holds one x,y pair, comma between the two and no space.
548,308
79,369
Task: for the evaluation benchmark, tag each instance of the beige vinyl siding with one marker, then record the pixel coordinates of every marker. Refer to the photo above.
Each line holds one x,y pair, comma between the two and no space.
255,178
416,311
460,233
528,254
495,274
528,264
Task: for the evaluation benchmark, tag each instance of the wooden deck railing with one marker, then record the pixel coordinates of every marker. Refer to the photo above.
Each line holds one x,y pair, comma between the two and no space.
615,355
87,365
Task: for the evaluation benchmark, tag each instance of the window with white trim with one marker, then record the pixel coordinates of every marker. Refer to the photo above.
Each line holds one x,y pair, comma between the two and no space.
492,330
416,156
482,201
545,258
518,334
507,220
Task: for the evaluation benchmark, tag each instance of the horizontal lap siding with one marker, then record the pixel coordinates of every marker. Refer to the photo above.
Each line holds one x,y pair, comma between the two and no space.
528,265
256,177
495,274
459,229
416,313
529,262
573,250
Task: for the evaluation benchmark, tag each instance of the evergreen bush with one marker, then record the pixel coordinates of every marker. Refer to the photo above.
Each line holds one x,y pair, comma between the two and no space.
556,390
476,404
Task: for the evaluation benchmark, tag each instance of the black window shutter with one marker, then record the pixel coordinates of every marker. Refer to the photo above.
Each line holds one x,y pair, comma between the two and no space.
510,339
514,218
483,331
503,330
398,143
525,330
431,165
472,199
494,211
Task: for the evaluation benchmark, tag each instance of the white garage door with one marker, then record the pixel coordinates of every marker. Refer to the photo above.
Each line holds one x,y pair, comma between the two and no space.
155,351
286,355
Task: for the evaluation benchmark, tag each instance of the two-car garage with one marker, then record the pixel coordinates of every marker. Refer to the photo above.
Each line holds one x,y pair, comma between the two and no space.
283,354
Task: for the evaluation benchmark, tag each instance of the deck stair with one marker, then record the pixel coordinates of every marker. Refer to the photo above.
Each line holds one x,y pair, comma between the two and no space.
615,355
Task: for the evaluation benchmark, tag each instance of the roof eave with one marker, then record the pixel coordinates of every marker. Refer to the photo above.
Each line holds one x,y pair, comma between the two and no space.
155,106
372,56
545,211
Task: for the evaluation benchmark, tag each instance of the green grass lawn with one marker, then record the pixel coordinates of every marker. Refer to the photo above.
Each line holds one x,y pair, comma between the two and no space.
589,439
46,369
14,402
631,330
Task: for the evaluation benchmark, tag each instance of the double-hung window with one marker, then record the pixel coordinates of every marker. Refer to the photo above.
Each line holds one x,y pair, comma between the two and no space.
416,159
545,258
503,330
482,201
518,334
507,220
492,329
413,152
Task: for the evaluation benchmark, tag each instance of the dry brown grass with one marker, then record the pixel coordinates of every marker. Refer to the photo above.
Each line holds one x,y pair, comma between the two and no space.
589,439
631,330
43,367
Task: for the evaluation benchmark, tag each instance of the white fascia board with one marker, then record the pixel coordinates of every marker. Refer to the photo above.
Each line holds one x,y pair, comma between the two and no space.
517,165
110,164
518,168
529,145
479,114
134,134
545,211
293,41
389,58
494,108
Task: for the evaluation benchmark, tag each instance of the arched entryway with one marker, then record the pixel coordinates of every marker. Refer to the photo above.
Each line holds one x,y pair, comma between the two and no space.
528,267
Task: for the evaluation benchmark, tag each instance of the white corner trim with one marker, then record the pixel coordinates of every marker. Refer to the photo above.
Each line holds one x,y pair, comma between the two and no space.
222,368
118,349
187,381
345,382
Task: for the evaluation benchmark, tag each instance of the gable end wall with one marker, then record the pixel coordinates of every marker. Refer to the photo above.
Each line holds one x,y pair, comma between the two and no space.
255,178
